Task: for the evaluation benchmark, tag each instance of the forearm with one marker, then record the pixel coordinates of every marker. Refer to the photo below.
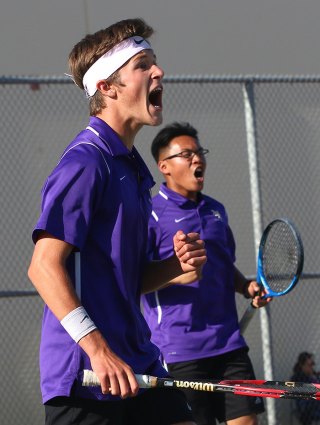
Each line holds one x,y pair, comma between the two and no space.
241,283
184,266
53,284
159,274
49,275
250,289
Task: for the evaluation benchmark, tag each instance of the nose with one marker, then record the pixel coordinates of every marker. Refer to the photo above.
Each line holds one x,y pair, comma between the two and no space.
158,72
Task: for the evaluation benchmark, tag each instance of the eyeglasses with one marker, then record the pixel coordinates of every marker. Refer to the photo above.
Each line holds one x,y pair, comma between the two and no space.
189,154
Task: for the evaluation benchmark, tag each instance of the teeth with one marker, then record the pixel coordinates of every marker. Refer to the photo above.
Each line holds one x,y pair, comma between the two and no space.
156,90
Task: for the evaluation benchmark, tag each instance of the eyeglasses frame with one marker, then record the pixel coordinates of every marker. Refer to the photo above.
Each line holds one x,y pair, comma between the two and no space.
200,152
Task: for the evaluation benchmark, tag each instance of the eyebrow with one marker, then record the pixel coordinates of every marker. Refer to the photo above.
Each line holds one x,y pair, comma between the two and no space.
143,54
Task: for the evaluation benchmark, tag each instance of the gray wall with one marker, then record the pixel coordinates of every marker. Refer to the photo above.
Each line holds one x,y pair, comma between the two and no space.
193,37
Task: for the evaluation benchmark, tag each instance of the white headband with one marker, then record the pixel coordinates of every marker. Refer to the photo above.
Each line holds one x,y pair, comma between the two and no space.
107,64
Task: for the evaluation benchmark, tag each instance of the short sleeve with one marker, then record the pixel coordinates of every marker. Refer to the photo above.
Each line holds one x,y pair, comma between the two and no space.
71,195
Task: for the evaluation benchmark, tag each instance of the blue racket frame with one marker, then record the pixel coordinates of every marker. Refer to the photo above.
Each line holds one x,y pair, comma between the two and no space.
261,279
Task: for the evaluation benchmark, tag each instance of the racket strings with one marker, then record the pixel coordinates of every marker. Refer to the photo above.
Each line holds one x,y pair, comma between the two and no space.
281,257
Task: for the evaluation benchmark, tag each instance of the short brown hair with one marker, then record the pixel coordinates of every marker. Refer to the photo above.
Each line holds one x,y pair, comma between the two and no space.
85,53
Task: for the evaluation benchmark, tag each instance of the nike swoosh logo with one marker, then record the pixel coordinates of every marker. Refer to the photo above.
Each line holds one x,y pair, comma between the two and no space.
138,41
123,177
177,220
85,317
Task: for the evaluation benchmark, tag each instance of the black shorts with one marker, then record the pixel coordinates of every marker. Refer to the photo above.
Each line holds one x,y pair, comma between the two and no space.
206,407
157,406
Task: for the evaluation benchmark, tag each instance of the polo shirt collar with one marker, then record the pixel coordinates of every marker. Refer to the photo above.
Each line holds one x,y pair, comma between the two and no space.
108,136
117,148
176,197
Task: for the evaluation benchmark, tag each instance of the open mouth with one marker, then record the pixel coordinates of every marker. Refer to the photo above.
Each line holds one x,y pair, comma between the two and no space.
155,98
199,173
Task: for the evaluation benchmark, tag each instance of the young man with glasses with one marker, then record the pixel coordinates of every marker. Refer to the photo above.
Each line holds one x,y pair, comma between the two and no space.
196,326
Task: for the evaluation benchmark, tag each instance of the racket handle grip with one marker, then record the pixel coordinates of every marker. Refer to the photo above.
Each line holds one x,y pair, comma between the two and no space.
246,318
90,379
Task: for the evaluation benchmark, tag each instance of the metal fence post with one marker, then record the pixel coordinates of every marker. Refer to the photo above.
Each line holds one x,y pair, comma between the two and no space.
250,121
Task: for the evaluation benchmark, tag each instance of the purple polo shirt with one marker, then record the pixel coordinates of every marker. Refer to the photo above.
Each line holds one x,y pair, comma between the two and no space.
198,320
98,199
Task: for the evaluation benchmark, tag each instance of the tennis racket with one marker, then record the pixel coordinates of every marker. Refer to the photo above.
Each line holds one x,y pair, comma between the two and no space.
280,262
253,388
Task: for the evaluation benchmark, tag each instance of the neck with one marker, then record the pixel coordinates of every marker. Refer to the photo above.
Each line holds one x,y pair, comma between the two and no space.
125,130
192,196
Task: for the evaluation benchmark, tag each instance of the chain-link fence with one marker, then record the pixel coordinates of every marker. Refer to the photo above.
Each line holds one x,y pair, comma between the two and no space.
264,139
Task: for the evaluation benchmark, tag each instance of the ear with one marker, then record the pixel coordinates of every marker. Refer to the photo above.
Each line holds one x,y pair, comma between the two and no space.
106,89
163,167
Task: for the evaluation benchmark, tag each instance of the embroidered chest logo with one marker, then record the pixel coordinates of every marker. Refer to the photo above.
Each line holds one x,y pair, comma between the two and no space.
216,214
177,220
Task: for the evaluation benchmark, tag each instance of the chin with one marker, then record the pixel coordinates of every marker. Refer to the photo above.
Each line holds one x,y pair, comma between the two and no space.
200,187
156,121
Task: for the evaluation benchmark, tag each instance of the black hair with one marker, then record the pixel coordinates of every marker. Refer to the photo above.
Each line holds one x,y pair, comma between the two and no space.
169,132
302,358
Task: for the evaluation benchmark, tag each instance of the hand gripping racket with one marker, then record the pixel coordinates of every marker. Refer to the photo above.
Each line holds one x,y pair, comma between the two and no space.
280,262
253,388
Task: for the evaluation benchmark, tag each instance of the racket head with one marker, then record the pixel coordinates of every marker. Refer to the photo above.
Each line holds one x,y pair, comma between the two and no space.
280,257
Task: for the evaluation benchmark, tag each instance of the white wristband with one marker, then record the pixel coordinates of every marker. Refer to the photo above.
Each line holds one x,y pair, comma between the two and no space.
78,323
